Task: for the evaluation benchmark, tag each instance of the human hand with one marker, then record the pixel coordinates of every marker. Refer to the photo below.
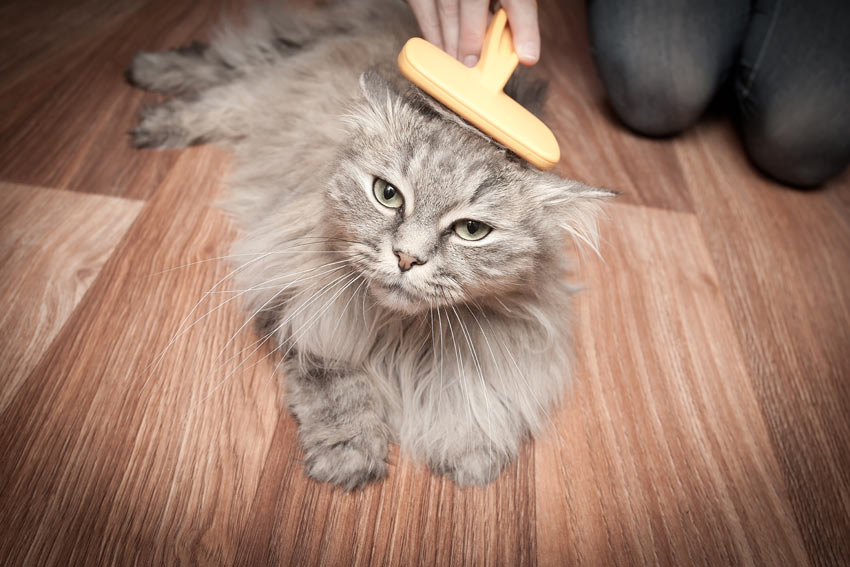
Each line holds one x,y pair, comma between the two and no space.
458,26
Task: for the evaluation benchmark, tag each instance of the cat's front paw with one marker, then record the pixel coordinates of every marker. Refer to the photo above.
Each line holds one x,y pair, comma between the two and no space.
160,127
164,71
349,464
473,468
145,70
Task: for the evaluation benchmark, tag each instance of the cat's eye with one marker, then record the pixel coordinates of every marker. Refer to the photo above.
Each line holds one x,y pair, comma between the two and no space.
471,229
386,194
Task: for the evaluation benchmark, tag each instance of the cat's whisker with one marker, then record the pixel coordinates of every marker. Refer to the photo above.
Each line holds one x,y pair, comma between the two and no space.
440,324
276,295
263,285
433,345
232,372
303,329
264,339
462,375
499,368
363,307
489,347
310,300
521,374
579,235
505,307
314,240
353,295
480,375
254,254
155,364
313,298
292,339
182,332
347,303
306,304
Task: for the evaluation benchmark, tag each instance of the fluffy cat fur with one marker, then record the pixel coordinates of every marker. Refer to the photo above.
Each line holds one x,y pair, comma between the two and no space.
460,357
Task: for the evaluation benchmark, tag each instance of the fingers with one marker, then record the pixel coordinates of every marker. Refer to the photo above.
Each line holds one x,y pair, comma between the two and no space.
449,11
458,27
473,25
425,12
522,16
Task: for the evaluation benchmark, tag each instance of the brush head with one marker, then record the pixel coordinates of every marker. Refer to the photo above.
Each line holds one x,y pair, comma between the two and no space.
475,93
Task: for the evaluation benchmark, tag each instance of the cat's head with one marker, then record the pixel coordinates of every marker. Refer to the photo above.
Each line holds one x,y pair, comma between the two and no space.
434,213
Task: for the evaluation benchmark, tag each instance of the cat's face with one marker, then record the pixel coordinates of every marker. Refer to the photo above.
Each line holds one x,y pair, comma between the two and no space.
437,215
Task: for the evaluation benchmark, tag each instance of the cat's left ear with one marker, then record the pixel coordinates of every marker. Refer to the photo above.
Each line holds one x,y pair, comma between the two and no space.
576,208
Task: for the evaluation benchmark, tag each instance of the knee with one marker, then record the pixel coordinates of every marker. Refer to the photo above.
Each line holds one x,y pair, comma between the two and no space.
652,108
651,98
798,143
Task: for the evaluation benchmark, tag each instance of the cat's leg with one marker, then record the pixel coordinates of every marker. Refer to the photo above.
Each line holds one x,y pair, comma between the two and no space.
474,463
215,115
273,31
342,427
175,123
473,466
474,452
188,69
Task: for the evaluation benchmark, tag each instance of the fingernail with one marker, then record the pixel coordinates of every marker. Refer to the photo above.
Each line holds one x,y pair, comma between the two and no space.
470,60
529,52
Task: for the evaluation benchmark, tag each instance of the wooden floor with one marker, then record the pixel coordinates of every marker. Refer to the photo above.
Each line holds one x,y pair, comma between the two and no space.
709,423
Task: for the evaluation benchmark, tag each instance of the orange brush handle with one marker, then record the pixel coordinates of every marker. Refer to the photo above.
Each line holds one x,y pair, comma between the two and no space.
498,58
476,95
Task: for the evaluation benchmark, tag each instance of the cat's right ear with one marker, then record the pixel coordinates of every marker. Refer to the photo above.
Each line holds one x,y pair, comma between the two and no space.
375,88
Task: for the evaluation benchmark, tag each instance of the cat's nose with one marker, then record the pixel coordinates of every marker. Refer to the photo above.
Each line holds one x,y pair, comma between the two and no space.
406,261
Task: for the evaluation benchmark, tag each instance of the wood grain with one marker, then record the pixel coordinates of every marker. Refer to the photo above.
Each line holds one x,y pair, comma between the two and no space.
595,147
107,450
784,259
65,116
411,518
52,246
39,35
662,456
708,424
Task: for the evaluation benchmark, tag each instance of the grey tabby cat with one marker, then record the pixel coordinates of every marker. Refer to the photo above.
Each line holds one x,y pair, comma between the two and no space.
410,270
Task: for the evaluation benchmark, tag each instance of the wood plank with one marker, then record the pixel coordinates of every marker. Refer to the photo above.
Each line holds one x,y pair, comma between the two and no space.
661,455
595,147
44,28
52,246
411,518
783,257
106,463
84,105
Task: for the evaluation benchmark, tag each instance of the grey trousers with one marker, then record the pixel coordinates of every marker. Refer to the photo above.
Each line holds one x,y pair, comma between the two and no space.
786,63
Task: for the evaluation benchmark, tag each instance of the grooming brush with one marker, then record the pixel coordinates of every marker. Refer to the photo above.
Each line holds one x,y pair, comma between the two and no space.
475,93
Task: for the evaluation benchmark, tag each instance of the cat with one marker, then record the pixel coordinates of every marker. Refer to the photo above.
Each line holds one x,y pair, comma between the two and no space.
410,270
